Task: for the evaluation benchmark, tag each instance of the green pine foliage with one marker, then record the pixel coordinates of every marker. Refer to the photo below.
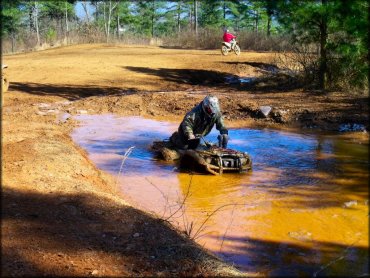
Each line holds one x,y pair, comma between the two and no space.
11,17
339,30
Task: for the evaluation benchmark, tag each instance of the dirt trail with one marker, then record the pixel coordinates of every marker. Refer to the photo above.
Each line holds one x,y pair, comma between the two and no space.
61,215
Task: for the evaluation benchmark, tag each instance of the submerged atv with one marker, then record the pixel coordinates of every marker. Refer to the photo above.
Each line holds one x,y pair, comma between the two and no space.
208,157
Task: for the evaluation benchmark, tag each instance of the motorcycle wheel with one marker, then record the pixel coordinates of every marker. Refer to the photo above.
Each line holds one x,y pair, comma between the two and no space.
237,50
224,50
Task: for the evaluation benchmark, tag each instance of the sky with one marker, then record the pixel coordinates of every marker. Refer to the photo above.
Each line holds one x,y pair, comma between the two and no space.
80,11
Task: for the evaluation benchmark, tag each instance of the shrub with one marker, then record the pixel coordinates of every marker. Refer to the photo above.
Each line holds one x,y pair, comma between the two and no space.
211,38
50,35
343,72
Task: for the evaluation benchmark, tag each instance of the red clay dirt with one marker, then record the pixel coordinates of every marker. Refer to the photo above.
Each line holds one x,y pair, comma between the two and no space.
63,216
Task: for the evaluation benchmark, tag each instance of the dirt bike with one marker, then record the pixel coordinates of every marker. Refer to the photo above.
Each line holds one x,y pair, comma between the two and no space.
4,80
226,48
207,157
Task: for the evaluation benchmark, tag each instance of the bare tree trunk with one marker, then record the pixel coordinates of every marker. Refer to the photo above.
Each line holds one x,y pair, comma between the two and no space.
31,19
107,21
84,6
153,11
61,27
196,16
37,22
109,17
13,42
95,4
178,16
190,17
256,21
268,25
67,29
118,26
270,13
323,57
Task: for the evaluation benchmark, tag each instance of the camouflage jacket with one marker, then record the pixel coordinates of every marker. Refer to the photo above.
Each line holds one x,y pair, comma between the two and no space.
196,122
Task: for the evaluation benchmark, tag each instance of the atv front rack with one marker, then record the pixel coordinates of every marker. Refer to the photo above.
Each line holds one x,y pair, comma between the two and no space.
212,159
218,160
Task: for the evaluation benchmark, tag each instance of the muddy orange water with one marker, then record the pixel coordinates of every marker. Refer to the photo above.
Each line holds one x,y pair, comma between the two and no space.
302,210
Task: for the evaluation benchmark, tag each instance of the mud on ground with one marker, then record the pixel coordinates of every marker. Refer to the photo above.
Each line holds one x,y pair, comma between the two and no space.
63,216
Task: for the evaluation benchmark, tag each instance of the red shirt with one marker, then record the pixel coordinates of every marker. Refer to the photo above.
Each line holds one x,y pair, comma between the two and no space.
228,37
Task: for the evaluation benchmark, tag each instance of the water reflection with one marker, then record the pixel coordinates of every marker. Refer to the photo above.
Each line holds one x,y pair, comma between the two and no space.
288,216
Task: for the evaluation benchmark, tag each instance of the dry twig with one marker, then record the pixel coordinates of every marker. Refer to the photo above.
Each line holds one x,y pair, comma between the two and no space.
127,153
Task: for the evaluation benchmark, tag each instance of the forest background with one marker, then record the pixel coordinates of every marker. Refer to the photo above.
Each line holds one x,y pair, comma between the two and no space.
325,42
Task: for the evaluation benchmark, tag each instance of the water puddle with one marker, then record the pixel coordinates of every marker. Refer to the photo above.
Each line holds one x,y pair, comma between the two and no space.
239,80
302,210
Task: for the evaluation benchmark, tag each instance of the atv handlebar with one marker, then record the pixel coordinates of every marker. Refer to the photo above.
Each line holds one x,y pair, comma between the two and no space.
197,139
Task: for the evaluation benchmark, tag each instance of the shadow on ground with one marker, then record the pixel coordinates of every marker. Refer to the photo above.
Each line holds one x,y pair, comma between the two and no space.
284,259
70,92
74,226
218,53
273,78
186,76
216,79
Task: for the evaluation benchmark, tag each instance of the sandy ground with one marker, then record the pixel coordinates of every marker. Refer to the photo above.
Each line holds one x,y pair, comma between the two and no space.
60,214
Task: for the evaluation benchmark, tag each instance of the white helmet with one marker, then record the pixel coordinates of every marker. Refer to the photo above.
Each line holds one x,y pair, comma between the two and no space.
210,106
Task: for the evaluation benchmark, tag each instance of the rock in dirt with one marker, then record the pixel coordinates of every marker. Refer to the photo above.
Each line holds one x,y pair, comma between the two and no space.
350,204
265,110
280,116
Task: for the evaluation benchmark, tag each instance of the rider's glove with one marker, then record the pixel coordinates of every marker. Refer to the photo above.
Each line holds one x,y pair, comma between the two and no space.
191,136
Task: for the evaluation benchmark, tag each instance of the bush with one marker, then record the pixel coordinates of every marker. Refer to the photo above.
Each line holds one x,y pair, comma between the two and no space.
211,38
343,72
347,73
50,35
261,42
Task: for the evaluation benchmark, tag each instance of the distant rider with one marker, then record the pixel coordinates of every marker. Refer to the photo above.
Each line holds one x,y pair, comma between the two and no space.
229,38
199,122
